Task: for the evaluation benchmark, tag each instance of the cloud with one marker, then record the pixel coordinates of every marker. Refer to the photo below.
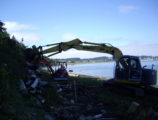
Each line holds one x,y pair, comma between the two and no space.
29,38
21,31
127,8
15,26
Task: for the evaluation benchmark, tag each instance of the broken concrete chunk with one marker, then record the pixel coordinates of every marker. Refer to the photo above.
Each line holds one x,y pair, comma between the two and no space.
98,116
72,101
133,107
43,83
33,75
35,83
22,85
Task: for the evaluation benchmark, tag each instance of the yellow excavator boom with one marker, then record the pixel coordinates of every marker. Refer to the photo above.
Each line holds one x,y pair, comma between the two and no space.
86,46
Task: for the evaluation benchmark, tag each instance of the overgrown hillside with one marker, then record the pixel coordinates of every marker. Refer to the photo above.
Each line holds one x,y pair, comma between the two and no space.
11,71
13,104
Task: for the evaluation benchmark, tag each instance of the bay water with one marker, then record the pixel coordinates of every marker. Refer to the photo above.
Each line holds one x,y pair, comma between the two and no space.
106,69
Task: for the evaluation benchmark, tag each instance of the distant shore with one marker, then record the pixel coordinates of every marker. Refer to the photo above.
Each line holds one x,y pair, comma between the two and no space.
89,62
75,63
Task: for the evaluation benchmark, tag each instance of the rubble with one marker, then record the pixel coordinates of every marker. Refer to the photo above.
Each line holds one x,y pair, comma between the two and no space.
81,107
79,101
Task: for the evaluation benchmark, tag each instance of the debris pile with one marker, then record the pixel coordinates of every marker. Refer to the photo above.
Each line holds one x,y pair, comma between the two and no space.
32,83
79,103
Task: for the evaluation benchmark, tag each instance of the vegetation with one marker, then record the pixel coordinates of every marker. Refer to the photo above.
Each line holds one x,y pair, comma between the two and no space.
13,103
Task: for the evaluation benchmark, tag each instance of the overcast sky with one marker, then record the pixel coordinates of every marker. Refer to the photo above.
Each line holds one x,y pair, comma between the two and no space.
131,25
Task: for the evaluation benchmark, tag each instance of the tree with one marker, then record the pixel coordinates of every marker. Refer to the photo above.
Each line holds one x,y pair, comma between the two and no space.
13,37
2,29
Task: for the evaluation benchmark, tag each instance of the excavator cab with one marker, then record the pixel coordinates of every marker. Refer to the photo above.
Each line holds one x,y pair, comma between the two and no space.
128,69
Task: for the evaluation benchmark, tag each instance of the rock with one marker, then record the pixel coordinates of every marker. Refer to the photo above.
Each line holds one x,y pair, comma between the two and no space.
35,83
29,64
155,116
48,117
89,118
104,111
100,104
108,119
59,90
98,116
82,117
5,65
89,107
43,83
72,101
33,114
22,86
133,107
52,107
32,90
28,82
31,71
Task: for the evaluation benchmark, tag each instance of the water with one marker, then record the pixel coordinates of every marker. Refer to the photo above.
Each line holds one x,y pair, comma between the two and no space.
95,69
103,69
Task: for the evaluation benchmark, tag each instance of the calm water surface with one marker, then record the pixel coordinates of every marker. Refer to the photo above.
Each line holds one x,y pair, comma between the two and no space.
103,69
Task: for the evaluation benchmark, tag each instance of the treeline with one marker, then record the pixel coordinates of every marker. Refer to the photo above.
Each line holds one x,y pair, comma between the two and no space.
102,59
96,59
144,57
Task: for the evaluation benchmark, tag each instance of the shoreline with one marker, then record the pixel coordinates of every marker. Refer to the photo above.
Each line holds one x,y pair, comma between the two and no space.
86,76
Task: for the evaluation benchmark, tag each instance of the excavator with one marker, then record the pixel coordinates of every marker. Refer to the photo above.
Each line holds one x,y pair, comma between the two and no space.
128,68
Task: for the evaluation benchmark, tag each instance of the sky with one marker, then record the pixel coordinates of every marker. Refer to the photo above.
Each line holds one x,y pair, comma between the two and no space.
130,25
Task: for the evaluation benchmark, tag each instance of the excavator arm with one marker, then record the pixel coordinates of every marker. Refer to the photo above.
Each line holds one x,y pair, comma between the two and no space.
128,69
79,45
